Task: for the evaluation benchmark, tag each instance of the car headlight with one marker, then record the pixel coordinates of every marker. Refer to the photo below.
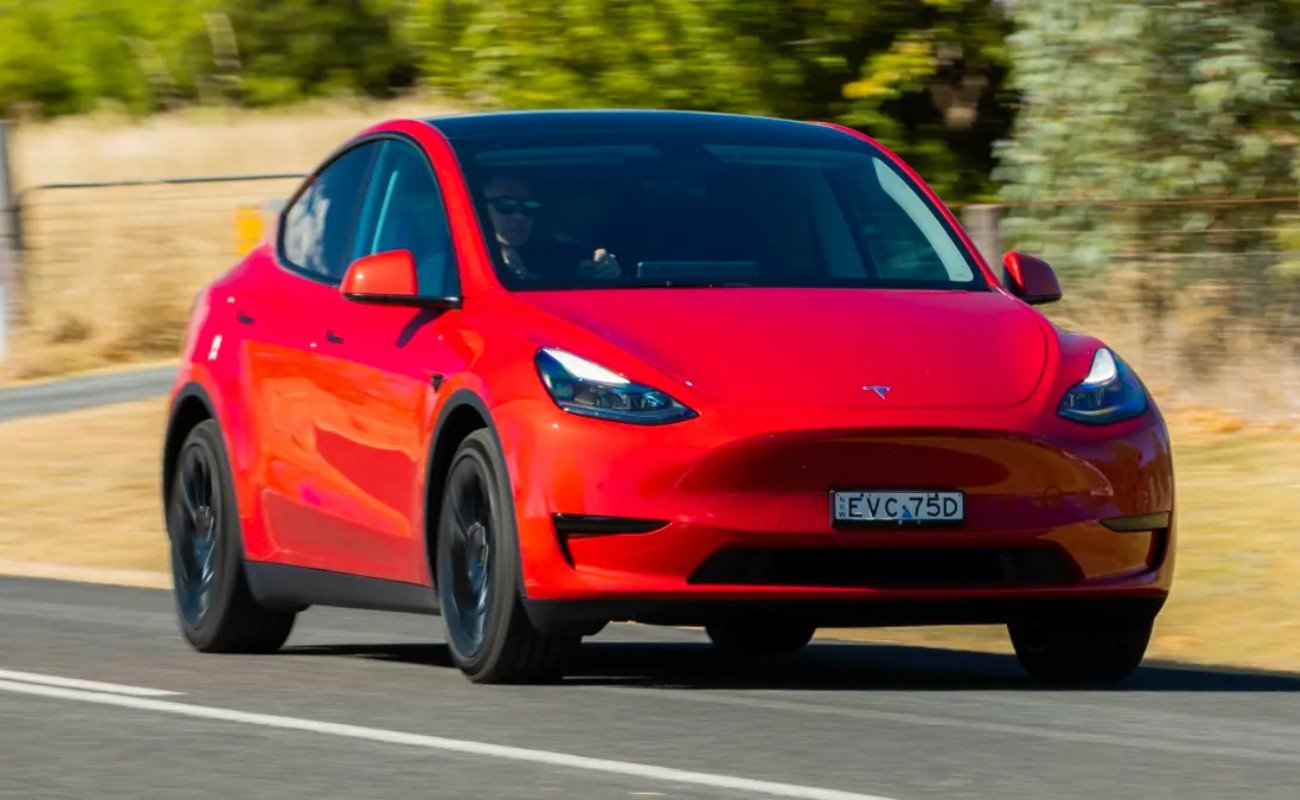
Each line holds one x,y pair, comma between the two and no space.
1109,393
582,387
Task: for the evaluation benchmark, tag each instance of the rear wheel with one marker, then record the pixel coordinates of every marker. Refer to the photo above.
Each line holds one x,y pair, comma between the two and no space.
758,637
217,613
488,633
1081,649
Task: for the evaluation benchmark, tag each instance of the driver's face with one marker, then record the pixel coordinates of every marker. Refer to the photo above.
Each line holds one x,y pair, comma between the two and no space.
514,228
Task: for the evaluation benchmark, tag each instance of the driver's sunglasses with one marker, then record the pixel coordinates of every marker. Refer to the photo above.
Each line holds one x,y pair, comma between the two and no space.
511,205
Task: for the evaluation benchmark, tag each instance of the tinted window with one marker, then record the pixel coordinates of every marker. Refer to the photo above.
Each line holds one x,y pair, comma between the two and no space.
685,210
403,211
319,226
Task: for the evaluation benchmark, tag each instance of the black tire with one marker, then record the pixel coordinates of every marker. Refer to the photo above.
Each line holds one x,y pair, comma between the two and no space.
216,611
760,636
488,633
1081,649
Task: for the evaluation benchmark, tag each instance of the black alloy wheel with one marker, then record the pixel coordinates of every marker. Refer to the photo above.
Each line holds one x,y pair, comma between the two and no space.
198,514
215,609
489,634
466,570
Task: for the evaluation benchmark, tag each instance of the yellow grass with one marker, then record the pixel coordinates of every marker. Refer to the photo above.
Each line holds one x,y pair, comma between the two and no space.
198,141
109,273
81,490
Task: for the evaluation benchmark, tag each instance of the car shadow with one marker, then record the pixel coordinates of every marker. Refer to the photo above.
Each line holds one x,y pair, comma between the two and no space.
828,667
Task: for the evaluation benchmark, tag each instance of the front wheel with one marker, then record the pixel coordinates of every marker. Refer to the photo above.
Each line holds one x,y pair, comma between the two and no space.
760,637
1081,650
488,633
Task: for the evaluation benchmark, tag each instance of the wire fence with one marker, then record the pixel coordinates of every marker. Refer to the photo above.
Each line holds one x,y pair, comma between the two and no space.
109,269
1202,297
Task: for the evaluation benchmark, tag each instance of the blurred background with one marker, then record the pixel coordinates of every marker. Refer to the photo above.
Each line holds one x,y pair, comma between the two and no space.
1149,149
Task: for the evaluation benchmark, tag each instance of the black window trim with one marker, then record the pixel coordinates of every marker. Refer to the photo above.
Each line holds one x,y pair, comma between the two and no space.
285,264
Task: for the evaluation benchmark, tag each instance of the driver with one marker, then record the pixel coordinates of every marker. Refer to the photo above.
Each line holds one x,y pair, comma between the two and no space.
512,208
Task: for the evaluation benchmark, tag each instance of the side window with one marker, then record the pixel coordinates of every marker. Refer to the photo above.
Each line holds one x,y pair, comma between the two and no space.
319,226
403,211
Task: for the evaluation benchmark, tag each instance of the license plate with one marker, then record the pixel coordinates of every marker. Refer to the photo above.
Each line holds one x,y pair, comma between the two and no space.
895,509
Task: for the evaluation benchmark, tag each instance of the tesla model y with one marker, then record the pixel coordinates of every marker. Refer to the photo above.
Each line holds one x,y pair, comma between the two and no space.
540,371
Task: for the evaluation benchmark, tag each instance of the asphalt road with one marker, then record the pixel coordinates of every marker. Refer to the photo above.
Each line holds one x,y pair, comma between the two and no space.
71,394
366,704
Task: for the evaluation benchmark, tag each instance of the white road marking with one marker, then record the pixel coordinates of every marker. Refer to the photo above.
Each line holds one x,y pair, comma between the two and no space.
628,768
77,683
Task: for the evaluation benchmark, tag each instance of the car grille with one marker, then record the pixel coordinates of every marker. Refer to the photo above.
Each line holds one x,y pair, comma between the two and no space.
822,567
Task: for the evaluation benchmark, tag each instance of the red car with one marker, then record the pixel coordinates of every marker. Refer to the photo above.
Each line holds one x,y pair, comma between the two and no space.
541,371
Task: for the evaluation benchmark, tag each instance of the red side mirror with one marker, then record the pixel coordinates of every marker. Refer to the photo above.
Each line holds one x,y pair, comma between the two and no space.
381,278
389,278
1029,278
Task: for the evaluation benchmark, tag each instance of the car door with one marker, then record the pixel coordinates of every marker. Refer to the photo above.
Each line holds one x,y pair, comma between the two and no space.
315,246
376,372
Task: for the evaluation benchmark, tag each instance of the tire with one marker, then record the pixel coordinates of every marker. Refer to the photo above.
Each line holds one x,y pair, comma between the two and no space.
1082,649
760,636
216,611
488,633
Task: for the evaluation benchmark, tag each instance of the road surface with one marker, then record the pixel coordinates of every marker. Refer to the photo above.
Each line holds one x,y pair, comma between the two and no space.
363,704
85,391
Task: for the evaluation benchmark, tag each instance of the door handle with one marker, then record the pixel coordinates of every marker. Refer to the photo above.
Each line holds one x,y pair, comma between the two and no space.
333,338
244,319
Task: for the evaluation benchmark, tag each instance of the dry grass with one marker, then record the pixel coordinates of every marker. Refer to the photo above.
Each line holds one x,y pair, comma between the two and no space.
197,141
109,273
81,490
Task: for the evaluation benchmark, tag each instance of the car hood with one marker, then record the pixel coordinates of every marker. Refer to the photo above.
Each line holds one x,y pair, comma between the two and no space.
822,347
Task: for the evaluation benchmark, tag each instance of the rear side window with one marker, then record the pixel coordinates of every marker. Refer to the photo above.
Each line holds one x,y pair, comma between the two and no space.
403,210
320,226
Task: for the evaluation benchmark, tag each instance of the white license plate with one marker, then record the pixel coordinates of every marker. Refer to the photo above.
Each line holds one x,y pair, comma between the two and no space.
897,509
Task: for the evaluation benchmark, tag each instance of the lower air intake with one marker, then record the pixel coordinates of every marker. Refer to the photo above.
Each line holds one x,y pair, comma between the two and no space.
841,568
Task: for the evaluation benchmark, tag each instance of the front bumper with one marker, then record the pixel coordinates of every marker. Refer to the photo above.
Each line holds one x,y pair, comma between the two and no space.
746,520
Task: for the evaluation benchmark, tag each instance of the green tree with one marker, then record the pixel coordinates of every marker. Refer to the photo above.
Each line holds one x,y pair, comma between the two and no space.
1137,100
68,55
1162,121
290,49
923,76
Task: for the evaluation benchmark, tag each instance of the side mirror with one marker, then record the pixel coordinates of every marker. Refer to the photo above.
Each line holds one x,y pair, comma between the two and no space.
1030,278
389,278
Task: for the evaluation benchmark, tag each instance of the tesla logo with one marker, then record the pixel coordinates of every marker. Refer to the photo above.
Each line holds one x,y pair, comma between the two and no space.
881,391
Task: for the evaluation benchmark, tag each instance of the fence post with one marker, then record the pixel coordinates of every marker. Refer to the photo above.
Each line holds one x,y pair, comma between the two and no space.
981,221
10,245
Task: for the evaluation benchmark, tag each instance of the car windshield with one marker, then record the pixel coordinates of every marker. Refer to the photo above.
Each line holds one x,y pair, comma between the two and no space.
647,211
